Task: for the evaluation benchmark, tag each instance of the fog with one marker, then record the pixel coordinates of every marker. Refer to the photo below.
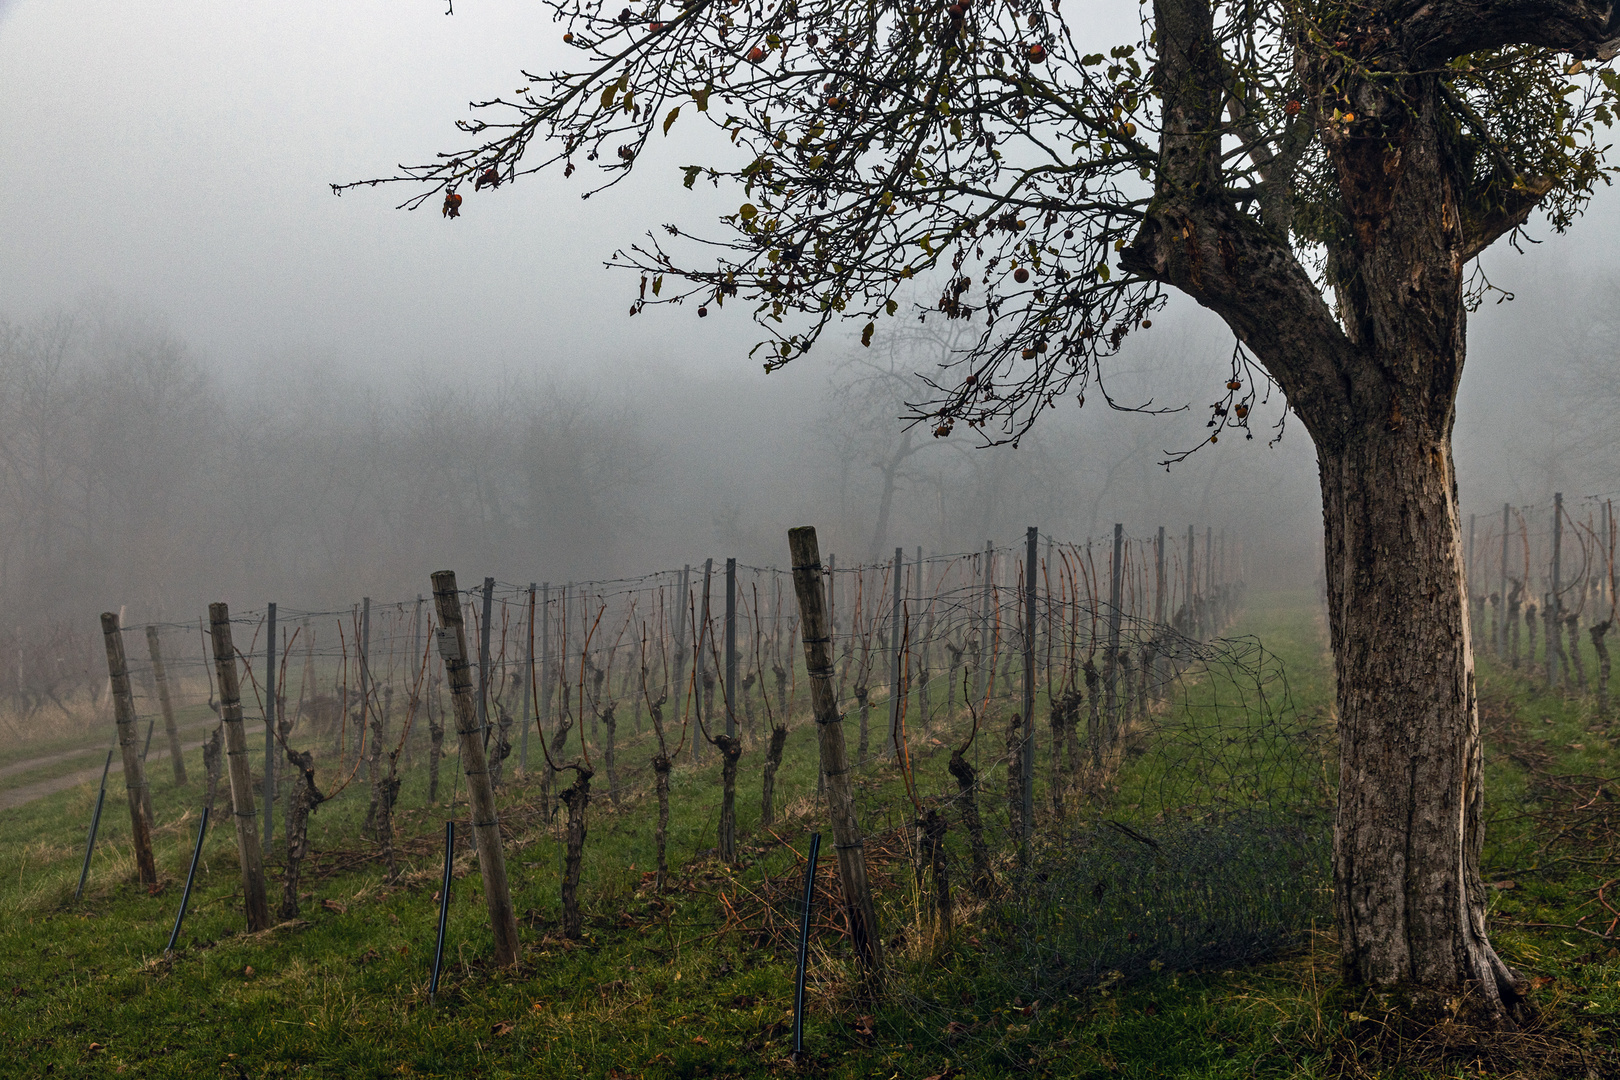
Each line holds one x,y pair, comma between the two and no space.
221,382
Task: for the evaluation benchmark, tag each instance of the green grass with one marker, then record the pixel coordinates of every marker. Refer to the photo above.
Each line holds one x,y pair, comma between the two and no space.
660,986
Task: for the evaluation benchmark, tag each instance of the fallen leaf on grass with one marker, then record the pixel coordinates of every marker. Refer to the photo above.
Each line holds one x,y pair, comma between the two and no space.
333,905
502,1028
700,1040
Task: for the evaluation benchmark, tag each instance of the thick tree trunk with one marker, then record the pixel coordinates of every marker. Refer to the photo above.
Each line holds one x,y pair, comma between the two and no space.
1410,899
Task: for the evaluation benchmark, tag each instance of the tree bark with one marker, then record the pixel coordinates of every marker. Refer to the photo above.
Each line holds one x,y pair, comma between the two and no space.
1375,382
1410,899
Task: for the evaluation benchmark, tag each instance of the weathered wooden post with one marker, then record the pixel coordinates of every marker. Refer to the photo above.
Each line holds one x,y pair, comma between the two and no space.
160,676
128,743
1160,603
1555,602
270,725
1470,579
682,604
546,676
731,648
452,633
1027,761
483,658
982,656
818,657
365,681
729,744
1116,604
895,613
700,662
411,669
528,674
1501,626
1192,586
250,855
1211,627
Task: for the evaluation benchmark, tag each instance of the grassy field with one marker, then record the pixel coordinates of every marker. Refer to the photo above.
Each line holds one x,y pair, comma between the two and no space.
697,981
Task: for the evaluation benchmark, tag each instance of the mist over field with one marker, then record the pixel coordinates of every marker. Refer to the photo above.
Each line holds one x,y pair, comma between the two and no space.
218,381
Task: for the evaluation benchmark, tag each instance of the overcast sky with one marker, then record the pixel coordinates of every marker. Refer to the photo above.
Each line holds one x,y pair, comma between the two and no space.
177,156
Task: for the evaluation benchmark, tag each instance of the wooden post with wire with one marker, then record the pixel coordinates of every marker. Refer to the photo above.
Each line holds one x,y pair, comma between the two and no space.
1027,764
134,771
452,631
251,856
270,725
160,676
859,913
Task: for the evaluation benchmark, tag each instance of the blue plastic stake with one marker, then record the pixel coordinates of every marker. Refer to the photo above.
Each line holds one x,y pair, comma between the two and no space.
804,946
444,905
191,875
95,823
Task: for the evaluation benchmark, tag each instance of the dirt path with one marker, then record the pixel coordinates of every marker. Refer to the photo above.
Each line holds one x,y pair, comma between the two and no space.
27,793
86,751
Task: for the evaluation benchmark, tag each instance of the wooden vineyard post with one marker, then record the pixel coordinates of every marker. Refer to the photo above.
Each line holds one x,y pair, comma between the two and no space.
818,657
452,633
483,658
700,663
166,704
1501,623
134,770
1555,602
731,648
1027,763
544,718
1159,607
528,673
1470,580
894,653
241,772
682,600
1192,585
1116,601
270,725
729,744
982,654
